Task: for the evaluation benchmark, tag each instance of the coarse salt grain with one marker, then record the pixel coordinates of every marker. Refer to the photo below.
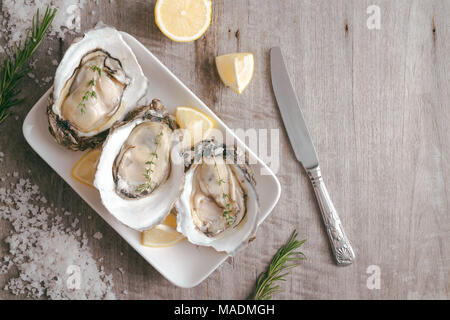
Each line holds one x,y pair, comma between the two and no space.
18,15
45,252
98,235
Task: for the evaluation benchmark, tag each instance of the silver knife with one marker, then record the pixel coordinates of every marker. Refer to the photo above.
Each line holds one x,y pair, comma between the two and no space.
306,154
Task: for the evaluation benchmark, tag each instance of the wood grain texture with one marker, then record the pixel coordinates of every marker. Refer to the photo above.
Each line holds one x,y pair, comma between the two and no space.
377,103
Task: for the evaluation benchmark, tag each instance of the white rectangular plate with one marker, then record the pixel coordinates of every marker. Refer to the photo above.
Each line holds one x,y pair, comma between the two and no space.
184,264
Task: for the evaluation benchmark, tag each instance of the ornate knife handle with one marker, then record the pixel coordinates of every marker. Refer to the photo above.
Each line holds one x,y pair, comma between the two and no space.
340,245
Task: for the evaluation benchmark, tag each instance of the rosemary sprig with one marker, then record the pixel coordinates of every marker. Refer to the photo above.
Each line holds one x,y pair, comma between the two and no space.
12,67
286,258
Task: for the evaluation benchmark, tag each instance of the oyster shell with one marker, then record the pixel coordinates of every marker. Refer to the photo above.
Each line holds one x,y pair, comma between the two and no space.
97,82
218,206
140,172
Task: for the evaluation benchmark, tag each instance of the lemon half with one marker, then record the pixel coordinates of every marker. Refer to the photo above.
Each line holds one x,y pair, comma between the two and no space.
236,70
183,20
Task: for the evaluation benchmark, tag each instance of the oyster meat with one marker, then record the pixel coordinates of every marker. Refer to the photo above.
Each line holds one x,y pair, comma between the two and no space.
140,172
219,205
97,82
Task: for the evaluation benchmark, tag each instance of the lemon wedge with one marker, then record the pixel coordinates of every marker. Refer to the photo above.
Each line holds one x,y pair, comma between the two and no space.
197,124
171,221
236,70
84,170
163,235
183,20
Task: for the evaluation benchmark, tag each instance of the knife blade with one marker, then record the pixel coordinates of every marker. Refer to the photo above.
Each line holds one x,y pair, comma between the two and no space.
305,153
290,111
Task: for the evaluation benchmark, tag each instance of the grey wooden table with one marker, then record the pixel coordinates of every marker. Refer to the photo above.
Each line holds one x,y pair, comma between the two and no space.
377,102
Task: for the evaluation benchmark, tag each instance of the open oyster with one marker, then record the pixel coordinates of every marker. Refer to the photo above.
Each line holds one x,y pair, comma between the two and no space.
97,82
140,172
219,204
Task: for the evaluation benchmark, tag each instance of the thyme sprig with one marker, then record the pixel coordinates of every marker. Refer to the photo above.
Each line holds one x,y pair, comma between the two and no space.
98,69
227,212
147,185
12,67
285,259
90,92
87,94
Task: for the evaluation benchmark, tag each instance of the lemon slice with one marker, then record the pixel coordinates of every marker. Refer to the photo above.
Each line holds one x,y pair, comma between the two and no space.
236,70
84,170
162,235
197,124
183,20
